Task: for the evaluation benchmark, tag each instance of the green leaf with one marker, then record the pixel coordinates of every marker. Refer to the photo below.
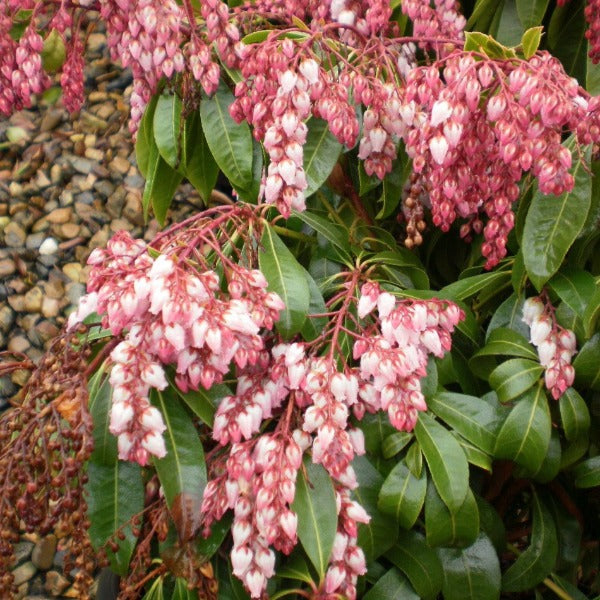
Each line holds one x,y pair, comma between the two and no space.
295,568
566,38
525,435
380,533
550,466
200,167
446,461
366,183
472,573
115,494
203,403
574,415
181,591
445,528
394,443
465,288
167,129
501,342
530,42
474,455
513,377
419,562
587,473
509,314
575,287
509,29
553,223
474,419
392,586
230,143
392,187
587,373
313,326
531,13
407,261
592,312
161,184
287,278
317,515
535,563
402,495
105,443
592,80
376,428
481,42
145,137
182,472
414,459
336,234
53,52
491,524
321,152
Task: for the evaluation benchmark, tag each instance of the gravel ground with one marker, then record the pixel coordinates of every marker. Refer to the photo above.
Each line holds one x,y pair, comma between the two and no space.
67,183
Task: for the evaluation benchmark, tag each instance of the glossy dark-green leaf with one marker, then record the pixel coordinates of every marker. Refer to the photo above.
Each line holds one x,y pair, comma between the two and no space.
531,13
587,473
181,591
525,435
230,143
402,495
445,528
182,472
200,167
380,533
574,415
321,152
115,494
446,460
161,183
105,443
491,524
315,506
203,403
145,137
587,373
313,325
553,223
472,573
405,260
167,128
287,278
419,563
476,420
392,586
335,233
536,562
513,377
469,286
575,287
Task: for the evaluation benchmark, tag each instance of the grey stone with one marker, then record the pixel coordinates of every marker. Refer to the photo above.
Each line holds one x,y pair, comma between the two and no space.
81,165
74,292
23,550
35,240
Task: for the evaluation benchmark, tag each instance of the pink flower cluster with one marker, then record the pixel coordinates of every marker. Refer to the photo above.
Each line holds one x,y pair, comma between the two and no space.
347,558
145,35
71,79
556,345
592,16
369,17
442,20
21,73
475,126
393,358
259,485
169,313
276,100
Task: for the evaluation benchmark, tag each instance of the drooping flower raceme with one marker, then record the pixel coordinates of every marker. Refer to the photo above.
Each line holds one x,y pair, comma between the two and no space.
555,344
169,314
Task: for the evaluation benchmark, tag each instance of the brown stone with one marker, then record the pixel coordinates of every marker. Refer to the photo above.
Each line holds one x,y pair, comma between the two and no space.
43,551
56,583
69,231
60,216
7,267
120,165
33,300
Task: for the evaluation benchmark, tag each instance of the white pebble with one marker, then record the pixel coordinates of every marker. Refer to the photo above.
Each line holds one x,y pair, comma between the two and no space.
48,246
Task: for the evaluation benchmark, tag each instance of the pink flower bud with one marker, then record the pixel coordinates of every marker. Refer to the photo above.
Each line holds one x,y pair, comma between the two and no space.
439,148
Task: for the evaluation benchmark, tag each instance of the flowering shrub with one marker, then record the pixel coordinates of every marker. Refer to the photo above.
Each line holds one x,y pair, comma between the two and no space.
366,368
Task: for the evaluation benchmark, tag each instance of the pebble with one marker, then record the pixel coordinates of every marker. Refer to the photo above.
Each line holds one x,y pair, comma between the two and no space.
48,246
24,572
56,583
7,318
43,552
50,307
14,236
60,216
34,240
33,300
7,267
120,165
